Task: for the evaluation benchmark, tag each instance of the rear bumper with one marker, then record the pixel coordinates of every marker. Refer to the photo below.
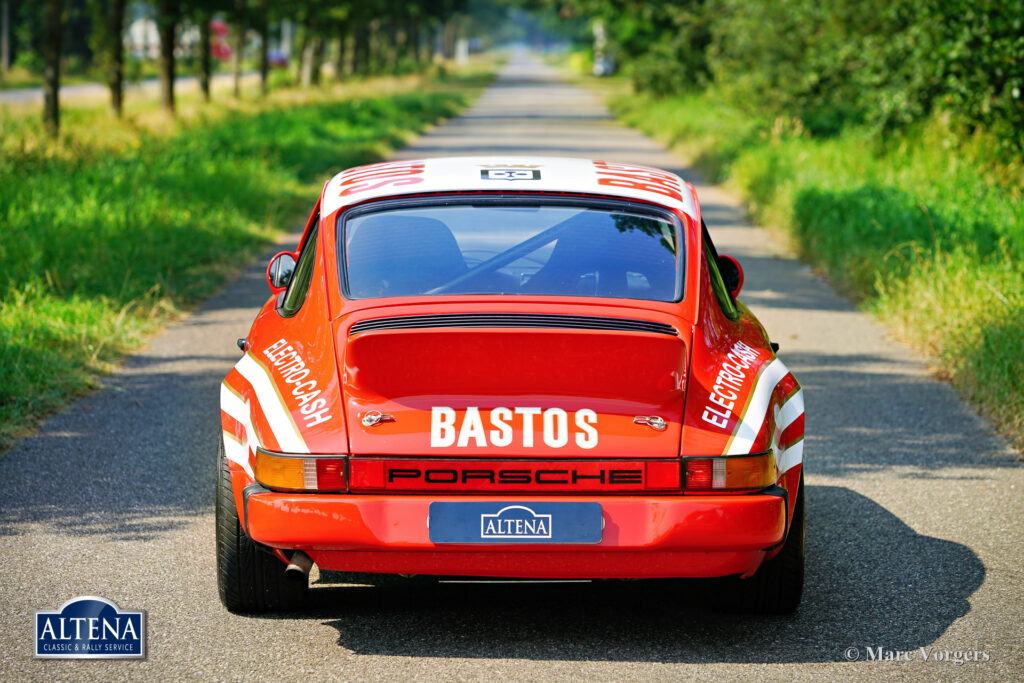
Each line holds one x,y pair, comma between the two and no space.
643,536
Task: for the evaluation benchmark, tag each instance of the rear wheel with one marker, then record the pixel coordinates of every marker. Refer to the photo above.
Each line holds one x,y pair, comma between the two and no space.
249,577
777,586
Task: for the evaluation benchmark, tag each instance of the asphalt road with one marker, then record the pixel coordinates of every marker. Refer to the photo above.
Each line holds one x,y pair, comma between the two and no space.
914,507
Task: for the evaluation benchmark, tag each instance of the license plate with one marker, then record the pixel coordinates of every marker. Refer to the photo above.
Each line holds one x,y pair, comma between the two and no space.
456,522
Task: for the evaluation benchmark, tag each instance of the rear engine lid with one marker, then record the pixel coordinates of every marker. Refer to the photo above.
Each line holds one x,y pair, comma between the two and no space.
513,386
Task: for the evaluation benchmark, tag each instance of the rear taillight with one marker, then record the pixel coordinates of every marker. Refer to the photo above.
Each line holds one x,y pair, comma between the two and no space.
730,473
288,472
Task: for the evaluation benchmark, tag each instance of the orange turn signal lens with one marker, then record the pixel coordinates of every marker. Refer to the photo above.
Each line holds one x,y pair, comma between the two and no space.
287,472
731,473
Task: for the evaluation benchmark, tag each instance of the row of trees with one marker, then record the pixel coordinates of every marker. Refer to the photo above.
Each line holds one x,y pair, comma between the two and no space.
361,36
884,63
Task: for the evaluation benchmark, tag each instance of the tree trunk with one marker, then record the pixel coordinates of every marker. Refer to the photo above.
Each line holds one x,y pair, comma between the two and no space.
51,47
317,60
5,36
167,24
306,60
236,52
448,43
360,49
204,53
264,47
412,41
304,55
115,66
374,60
339,58
390,46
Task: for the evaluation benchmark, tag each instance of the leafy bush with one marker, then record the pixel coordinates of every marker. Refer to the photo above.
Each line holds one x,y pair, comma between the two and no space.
30,61
663,43
928,235
581,62
669,68
885,63
979,52
280,78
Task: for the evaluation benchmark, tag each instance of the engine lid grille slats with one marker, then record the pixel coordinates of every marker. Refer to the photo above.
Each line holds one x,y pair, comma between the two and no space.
522,320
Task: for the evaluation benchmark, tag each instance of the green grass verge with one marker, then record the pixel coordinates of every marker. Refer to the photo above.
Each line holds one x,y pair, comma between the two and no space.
925,229
19,77
136,70
120,226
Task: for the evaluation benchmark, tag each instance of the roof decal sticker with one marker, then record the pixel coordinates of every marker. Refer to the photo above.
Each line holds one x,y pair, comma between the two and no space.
545,174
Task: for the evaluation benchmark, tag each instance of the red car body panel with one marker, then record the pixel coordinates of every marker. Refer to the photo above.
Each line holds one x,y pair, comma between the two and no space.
376,533
305,382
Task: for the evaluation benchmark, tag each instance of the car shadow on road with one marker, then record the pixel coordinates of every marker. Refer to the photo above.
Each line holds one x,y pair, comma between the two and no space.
871,581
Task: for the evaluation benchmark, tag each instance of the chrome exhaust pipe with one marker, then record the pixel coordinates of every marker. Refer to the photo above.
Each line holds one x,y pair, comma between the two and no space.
299,566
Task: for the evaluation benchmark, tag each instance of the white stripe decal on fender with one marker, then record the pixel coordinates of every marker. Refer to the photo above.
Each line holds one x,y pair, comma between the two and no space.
231,404
743,438
791,457
790,411
238,409
278,417
237,452
788,414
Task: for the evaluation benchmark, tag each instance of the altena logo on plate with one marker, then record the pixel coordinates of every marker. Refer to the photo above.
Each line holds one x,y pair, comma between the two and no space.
88,627
515,521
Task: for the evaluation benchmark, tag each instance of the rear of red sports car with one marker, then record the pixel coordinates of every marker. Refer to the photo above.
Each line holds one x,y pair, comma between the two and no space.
509,385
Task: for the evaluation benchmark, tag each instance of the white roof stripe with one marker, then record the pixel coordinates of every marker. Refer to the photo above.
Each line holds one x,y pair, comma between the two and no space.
505,173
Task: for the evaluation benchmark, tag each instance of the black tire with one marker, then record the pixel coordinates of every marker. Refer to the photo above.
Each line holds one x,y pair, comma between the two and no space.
777,586
249,577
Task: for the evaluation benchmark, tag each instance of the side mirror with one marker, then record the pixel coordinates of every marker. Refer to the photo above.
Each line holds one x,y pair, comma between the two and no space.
279,271
732,274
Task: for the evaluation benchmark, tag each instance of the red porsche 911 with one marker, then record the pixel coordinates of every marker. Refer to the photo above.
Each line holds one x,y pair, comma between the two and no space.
515,368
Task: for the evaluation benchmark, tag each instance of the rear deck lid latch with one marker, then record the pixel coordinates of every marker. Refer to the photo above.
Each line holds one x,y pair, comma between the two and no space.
375,417
652,421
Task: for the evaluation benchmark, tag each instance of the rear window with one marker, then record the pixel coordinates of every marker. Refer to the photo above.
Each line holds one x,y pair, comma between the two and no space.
497,248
